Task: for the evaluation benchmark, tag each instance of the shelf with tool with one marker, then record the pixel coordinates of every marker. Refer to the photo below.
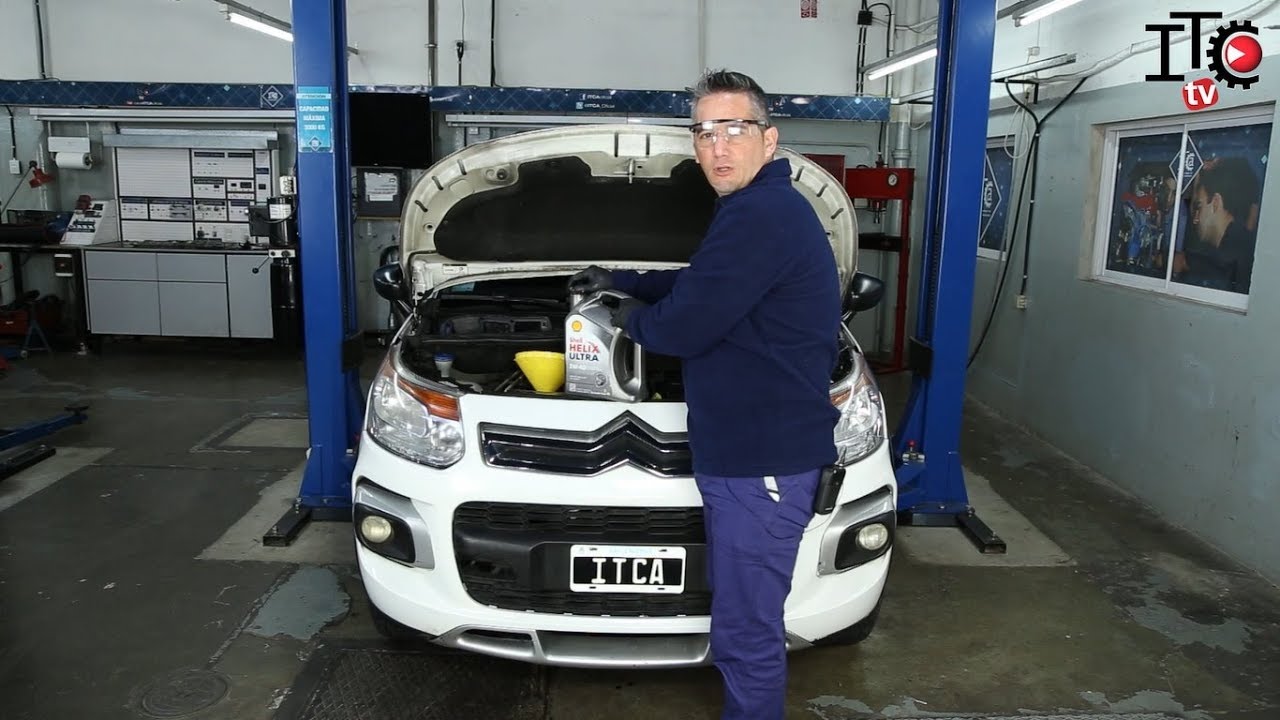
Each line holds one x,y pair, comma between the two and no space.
878,187
38,313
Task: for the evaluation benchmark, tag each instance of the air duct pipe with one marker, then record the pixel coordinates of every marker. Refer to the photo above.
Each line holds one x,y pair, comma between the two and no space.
900,156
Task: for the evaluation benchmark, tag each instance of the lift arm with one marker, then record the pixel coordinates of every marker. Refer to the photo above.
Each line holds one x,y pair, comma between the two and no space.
926,444
12,438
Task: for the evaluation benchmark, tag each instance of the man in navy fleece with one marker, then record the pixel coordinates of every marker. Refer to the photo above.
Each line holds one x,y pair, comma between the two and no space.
754,317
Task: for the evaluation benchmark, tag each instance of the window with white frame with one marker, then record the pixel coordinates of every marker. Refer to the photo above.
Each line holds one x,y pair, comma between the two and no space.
1180,205
997,197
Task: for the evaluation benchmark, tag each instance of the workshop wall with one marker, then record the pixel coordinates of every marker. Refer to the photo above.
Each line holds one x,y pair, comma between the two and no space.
658,44
1175,400
1103,33
1109,39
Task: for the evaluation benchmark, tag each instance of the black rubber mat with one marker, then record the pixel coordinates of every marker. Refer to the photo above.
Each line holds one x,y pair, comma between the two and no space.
345,682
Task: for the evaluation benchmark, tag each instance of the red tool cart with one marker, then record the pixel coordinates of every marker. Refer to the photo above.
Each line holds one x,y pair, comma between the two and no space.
878,186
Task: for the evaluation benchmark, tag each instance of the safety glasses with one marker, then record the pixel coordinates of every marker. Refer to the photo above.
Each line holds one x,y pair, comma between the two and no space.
732,131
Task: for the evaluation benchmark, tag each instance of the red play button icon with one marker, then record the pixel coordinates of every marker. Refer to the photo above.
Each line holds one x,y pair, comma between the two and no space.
1242,54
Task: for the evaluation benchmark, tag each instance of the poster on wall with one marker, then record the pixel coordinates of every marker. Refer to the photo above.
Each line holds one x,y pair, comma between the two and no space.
1222,202
1185,209
997,196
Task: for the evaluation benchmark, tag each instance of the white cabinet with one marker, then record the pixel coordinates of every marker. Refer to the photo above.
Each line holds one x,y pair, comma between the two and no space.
124,307
249,296
120,265
192,267
193,309
178,294
193,294
122,295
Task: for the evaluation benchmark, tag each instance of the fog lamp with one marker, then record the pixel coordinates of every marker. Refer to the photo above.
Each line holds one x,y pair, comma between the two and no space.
375,528
873,536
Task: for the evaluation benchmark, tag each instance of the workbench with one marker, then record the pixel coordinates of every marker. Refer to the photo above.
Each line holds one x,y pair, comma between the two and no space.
160,289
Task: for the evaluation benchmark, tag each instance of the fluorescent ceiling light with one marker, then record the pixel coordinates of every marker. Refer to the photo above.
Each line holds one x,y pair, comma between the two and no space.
1038,10
255,24
1023,12
904,59
245,16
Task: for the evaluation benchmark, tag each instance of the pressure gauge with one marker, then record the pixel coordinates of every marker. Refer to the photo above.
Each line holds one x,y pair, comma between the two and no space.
893,180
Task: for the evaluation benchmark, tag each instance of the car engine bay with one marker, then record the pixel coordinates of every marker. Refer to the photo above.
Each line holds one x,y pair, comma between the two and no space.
483,324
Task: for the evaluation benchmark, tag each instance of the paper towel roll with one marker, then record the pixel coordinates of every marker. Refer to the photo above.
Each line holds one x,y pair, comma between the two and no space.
73,161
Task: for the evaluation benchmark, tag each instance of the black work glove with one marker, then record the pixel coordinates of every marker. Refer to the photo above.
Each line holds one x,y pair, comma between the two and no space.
591,280
619,313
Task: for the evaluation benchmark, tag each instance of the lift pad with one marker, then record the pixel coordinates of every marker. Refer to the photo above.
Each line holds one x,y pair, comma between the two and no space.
373,680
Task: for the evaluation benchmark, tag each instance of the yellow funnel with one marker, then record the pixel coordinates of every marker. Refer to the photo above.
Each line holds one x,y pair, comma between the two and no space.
545,370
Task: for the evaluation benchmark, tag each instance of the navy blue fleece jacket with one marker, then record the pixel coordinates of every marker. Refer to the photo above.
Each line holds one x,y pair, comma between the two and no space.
754,317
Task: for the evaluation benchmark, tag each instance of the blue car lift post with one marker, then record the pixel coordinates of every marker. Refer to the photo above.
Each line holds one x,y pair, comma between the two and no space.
926,443
332,337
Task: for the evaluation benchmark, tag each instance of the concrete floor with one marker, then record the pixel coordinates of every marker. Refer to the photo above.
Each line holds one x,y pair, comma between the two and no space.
134,554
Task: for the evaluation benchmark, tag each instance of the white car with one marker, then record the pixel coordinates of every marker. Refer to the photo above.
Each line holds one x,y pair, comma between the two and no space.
483,510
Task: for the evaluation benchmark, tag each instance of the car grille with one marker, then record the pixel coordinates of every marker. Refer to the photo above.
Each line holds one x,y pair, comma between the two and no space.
625,440
501,594
515,556
663,524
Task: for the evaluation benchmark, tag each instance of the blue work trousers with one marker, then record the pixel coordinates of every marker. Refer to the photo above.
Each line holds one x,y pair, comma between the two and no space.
754,526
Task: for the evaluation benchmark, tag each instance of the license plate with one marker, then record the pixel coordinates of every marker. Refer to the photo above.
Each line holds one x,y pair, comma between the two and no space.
626,568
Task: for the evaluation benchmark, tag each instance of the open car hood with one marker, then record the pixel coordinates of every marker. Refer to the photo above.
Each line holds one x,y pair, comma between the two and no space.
589,194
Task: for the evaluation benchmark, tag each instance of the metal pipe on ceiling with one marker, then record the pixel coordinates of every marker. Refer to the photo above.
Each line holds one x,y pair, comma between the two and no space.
702,36
44,73
432,16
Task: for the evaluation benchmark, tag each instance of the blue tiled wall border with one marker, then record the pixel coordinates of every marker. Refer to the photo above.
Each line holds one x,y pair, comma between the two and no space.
465,99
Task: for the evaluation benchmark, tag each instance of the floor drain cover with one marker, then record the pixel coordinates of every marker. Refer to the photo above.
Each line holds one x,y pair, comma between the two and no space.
420,684
182,693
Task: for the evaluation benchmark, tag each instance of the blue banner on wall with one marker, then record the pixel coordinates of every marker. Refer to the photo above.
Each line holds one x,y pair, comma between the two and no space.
643,102
60,93
70,93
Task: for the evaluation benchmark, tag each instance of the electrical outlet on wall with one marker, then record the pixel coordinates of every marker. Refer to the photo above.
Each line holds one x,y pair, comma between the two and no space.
15,166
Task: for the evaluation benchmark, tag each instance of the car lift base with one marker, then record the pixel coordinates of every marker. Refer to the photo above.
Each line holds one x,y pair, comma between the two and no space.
286,529
982,536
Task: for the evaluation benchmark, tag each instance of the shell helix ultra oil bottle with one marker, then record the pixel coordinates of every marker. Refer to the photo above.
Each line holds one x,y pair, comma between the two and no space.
600,360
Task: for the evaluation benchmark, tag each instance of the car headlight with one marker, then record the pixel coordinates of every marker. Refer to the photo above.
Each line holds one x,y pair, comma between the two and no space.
414,421
862,424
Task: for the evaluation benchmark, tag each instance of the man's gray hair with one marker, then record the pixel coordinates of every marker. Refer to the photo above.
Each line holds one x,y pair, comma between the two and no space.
721,81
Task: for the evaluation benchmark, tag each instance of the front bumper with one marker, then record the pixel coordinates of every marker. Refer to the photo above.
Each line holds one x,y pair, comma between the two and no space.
485,567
